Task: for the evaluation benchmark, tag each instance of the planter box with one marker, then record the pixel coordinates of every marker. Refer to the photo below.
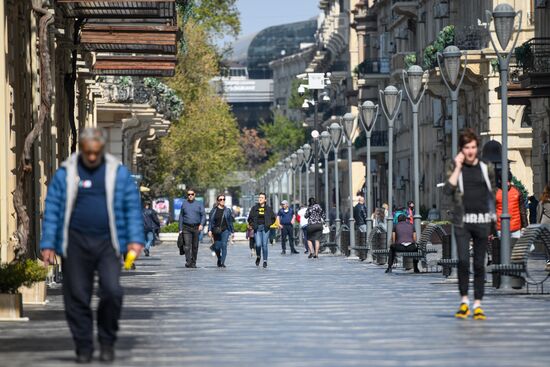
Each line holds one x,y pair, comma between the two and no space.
240,236
35,294
169,237
11,307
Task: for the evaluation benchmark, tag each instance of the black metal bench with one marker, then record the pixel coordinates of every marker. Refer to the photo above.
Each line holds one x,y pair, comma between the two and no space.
422,252
519,259
376,241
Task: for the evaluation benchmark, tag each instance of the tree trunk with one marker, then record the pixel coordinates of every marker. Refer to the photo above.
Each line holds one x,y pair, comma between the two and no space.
25,167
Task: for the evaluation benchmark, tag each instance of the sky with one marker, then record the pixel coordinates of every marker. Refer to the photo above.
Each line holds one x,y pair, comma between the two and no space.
259,14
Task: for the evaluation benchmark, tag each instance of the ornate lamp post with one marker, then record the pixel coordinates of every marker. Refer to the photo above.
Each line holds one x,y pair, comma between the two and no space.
348,123
504,17
288,167
326,144
451,56
300,156
415,90
307,161
391,101
368,113
294,165
316,83
280,172
336,137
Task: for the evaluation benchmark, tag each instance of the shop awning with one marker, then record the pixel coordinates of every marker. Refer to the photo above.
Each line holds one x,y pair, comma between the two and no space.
121,9
158,39
126,65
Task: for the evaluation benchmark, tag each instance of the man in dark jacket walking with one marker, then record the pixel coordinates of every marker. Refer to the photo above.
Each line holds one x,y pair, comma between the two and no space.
92,216
360,214
260,218
151,225
191,222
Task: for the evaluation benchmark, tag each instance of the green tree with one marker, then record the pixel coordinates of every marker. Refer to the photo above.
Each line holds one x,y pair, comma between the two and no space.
254,147
202,147
220,18
283,136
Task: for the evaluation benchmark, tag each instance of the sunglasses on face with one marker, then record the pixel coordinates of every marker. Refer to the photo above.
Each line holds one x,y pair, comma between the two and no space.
191,194
221,199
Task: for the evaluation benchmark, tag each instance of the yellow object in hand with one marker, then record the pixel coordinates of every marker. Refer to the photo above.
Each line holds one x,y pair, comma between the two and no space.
130,257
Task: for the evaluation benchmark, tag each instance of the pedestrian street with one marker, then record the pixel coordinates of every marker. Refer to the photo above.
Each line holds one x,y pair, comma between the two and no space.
333,311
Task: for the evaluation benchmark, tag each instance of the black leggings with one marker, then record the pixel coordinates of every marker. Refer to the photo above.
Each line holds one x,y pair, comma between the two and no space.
479,233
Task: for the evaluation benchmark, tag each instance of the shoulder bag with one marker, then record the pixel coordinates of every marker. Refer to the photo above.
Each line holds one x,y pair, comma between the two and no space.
218,229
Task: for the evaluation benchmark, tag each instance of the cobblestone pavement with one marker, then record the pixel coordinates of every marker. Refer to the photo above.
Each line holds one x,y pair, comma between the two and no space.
298,312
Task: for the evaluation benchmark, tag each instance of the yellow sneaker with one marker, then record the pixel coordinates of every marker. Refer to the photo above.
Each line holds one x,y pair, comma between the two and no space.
463,311
479,314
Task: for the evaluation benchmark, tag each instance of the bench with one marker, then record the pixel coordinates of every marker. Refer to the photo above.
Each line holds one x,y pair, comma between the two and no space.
376,241
423,250
519,260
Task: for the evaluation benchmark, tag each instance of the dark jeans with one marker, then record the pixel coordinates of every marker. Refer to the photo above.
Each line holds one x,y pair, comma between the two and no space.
85,256
479,233
304,236
261,235
191,240
397,247
220,244
287,232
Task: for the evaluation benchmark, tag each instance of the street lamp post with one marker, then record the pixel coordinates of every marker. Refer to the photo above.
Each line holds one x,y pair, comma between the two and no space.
390,99
415,91
368,113
325,147
316,82
307,160
300,156
294,165
348,123
336,136
504,17
288,167
451,56
280,173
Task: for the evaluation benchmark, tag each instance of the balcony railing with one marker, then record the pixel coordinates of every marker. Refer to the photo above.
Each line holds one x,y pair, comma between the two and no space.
379,138
534,55
374,66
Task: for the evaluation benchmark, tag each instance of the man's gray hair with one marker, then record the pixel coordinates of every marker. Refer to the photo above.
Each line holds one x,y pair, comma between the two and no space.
90,133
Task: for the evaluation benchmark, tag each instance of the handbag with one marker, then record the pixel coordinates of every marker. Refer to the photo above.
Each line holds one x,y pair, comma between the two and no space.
326,229
180,242
218,229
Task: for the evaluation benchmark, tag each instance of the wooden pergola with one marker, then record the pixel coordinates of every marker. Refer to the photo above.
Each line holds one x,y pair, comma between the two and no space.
131,38
127,65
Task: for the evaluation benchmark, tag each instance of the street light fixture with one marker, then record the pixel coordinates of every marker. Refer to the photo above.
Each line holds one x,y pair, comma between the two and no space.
316,82
280,171
368,113
326,144
288,167
348,122
336,137
415,90
294,165
391,101
504,16
300,156
451,56
307,161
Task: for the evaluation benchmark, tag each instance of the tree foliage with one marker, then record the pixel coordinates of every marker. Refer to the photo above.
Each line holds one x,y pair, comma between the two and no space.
283,135
202,147
254,147
220,18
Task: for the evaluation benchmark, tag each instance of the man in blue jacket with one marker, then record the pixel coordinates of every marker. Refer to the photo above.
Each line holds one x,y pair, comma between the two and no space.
191,222
92,216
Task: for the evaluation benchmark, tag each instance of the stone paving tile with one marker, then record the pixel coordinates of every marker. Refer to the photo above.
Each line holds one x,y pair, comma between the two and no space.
297,312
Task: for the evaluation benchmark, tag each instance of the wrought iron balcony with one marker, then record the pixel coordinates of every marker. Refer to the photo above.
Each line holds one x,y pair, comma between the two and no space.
142,91
533,57
374,66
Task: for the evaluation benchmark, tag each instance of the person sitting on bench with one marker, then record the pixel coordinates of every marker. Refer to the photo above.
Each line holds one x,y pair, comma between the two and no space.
404,240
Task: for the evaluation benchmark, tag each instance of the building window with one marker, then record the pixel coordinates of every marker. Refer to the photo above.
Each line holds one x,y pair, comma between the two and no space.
526,119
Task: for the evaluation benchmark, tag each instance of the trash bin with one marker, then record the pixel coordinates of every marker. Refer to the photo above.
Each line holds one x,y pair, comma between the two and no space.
379,243
344,241
361,241
446,254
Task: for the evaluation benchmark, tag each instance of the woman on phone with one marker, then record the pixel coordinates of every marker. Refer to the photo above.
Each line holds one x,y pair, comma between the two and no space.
220,228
